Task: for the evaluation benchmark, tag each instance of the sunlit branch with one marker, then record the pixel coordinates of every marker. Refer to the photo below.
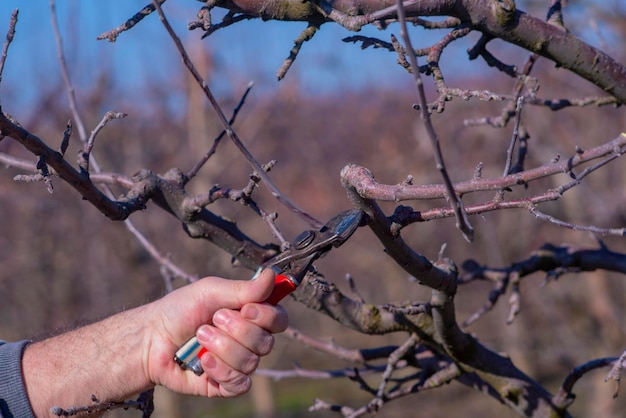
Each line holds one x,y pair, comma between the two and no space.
367,187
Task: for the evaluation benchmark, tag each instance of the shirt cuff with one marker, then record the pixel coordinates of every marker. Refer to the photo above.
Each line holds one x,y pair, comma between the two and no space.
14,401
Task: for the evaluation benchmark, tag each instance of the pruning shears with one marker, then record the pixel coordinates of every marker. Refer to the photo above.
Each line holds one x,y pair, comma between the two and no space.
290,267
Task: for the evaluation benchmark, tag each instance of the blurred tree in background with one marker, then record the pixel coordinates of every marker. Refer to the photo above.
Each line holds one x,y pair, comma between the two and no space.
526,282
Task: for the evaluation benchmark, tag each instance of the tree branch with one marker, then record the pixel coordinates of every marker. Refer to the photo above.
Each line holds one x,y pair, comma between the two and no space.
79,181
555,261
498,19
228,128
362,181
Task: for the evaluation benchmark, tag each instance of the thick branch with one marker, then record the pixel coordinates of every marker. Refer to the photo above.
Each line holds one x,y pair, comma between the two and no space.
562,47
168,192
360,316
80,181
366,186
480,367
498,19
415,264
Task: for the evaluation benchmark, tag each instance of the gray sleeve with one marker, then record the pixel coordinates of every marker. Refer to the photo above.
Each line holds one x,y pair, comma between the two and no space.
13,398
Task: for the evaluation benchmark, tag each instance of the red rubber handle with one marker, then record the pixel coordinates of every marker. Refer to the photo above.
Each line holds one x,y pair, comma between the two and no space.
282,287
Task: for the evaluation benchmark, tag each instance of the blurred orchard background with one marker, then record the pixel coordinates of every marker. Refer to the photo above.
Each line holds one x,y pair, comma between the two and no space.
63,263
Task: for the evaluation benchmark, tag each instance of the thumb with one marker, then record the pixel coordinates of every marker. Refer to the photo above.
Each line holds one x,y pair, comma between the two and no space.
233,294
259,288
196,303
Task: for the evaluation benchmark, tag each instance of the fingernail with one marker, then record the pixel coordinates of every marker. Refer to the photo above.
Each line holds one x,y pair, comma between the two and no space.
250,312
220,318
204,333
257,273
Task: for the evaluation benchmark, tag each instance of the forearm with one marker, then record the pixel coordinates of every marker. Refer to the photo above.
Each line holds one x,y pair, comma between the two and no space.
104,360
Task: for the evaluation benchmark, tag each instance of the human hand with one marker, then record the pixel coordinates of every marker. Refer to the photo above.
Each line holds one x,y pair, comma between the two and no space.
229,319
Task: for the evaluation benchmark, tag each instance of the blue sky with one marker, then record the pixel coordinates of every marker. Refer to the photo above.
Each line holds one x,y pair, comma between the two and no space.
248,51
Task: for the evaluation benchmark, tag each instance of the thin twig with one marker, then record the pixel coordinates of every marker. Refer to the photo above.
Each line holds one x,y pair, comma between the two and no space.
616,373
329,347
457,205
620,232
481,49
509,110
564,397
192,173
558,104
9,39
230,19
112,35
88,143
145,403
392,363
514,137
65,73
297,371
305,36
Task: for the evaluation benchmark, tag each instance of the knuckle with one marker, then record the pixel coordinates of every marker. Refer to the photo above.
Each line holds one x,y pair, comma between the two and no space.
250,364
266,345
239,385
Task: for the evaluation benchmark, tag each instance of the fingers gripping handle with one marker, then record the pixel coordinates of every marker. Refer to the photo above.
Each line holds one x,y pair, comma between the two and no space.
189,354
